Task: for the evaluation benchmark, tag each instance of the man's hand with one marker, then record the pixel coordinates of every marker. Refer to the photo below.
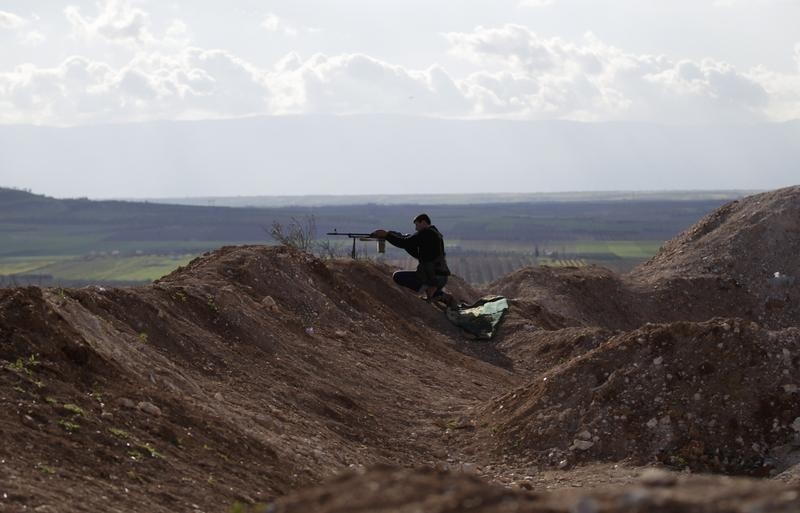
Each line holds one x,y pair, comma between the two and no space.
378,234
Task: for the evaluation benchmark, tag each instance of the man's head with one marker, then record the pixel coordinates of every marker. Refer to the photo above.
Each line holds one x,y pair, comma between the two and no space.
421,222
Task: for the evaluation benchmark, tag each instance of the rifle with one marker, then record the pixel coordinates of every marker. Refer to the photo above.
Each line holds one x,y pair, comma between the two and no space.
363,237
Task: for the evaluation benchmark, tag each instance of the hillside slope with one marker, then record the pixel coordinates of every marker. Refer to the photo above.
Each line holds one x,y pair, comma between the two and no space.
247,374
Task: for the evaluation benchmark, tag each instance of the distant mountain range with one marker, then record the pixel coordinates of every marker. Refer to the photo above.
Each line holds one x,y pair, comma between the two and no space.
383,156
448,199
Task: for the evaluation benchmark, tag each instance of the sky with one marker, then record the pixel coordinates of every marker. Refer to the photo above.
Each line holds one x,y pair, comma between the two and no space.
669,62
677,61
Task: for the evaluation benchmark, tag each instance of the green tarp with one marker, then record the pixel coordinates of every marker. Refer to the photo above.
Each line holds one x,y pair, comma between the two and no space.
482,317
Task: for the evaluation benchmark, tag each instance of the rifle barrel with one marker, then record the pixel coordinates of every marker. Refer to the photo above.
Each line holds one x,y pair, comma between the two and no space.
351,235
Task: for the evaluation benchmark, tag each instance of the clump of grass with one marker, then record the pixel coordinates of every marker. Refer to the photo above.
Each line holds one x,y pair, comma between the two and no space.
119,433
212,305
143,336
69,426
74,409
25,364
149,449
135,476
46,469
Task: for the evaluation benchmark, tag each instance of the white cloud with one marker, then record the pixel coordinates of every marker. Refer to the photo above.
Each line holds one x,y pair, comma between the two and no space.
783,93
518,74
273,23
117,21
33,38
177,31
359,84
797,55
10,20
50,95
510,46
539,77
193,84
120,23
22,29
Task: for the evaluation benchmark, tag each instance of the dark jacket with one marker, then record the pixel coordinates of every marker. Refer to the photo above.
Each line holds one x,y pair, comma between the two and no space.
427,246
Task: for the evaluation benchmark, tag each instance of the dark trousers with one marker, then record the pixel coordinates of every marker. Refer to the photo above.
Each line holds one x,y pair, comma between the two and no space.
409,279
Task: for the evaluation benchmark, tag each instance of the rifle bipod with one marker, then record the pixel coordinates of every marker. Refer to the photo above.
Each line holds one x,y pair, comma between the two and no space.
363,237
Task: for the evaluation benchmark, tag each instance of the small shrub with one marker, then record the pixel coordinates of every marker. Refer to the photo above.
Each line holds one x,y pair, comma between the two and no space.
298,234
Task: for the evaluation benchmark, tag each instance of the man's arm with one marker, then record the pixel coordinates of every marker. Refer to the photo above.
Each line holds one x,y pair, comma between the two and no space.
408,242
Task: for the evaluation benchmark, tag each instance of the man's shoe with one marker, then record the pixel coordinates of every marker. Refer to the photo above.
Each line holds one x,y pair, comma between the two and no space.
448,299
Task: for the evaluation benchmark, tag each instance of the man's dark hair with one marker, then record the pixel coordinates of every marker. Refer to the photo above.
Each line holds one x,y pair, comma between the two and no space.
422,217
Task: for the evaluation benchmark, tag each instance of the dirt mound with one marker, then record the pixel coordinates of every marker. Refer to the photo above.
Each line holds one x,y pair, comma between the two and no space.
434,491
249,373
719,396
741,258
571,296
748,239
739,261
534,350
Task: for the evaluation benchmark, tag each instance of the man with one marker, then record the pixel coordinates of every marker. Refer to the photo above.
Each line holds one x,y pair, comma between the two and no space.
426,245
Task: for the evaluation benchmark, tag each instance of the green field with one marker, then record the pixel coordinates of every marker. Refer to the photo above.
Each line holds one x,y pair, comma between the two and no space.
29,264
141,268
641,249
